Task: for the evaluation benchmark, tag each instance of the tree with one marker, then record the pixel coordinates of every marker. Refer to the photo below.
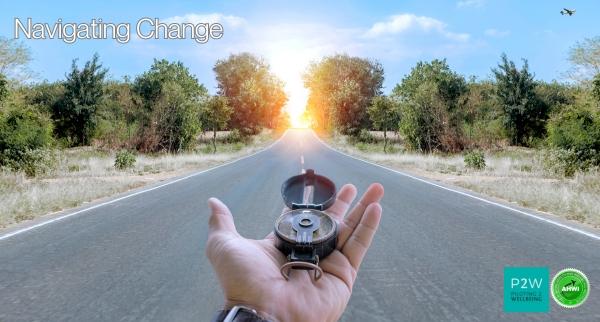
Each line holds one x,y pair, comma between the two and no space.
384,115
169,99
423,115
44,95
254,93
23,131
524,114
117,116
175,119
215,115
341,88
14,58
596,88
149,86
482,115
585,57
3,87
75,115
431,101
576,131
347,107
555,95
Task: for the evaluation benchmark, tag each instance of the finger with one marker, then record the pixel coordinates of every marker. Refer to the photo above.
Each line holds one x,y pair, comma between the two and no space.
220,219
342,202
373,195
357,245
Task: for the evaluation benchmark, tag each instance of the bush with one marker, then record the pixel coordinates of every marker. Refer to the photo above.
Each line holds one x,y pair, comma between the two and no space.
124,160
365,136
574,134
23,132
234,136
475,160
38,162
562,162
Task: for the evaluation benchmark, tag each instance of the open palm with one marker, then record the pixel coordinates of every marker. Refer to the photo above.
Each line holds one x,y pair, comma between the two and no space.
248,269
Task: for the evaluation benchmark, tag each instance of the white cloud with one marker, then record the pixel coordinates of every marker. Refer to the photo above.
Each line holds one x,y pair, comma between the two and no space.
289,47
470,3
405,22
195,18
492,32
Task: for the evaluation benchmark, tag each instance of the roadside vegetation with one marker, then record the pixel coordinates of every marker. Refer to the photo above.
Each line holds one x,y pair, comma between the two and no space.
88,136
516,174
83,174
512,136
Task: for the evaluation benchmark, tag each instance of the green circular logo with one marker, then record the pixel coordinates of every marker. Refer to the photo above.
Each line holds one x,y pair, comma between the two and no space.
570,288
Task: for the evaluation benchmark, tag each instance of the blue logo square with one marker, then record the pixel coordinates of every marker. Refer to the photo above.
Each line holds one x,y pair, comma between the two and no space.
526,289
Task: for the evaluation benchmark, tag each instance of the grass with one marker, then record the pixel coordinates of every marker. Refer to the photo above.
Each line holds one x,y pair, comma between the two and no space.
513,174
85,174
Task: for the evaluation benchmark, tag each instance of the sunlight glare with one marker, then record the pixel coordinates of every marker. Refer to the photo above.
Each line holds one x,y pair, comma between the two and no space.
289,64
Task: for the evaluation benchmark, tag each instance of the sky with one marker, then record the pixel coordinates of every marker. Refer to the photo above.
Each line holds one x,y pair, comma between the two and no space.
470,34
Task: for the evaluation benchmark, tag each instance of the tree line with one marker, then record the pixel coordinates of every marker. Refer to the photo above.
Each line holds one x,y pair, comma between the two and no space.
162,110
435,109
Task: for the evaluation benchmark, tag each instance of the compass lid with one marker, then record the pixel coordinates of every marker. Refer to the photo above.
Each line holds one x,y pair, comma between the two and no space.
308,191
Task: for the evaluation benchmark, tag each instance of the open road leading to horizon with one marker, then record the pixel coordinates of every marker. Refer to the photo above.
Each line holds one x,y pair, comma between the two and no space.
438,255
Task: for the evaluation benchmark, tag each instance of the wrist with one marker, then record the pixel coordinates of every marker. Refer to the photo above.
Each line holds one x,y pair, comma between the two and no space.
264,312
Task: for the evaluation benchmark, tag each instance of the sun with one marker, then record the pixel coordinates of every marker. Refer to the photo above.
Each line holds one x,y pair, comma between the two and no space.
289,64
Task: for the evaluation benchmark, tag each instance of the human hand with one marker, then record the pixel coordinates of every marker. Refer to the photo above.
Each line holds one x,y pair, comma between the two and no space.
248,269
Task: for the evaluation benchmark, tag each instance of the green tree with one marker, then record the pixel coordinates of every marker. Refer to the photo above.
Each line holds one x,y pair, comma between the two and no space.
482,115
14,58
3,87
23,130
149,86
75,115
422,122
555,96
525,114
117,116
596,88
169,99
255,94
215,115
431,101
347,107
384,115
175,119
576,130
341,88
585,57
44,95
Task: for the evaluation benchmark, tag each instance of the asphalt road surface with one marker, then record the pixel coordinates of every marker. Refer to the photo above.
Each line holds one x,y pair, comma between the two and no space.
438,256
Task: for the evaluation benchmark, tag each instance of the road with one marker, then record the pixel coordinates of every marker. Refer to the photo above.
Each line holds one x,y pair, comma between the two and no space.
438,256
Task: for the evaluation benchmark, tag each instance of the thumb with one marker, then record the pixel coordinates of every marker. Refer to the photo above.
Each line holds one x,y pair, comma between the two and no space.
220,219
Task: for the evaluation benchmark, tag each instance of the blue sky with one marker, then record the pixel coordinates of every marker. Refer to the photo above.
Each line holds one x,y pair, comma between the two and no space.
471,34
